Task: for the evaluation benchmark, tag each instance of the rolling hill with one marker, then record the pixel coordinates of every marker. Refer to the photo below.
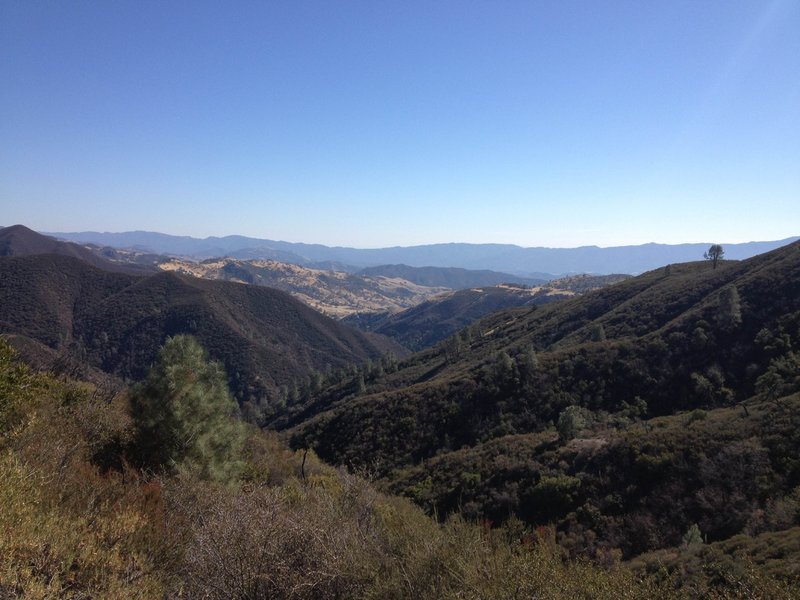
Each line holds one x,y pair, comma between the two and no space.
335,293
116,322
662,387
432,321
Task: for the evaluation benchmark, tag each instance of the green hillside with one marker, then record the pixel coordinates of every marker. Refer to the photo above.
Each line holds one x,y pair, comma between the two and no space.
708,355
430,322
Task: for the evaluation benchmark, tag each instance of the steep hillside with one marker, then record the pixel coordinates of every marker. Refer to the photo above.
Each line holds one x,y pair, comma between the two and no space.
91,518
18,240
114,321
627,483
432,321
682,338
336,294
662,336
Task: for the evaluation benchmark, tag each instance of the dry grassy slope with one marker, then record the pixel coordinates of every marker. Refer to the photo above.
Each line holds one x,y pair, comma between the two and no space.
334,293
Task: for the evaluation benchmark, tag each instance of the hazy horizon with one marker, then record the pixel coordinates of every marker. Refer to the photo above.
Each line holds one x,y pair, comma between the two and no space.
371,126
311,242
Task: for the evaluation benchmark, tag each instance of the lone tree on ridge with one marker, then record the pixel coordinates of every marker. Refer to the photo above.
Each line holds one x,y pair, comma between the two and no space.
714,254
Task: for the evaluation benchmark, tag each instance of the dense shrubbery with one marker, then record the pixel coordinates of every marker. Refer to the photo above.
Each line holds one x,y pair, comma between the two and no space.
286,527
674,393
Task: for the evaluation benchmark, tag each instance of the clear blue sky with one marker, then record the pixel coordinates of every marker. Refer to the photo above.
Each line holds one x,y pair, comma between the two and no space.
377,123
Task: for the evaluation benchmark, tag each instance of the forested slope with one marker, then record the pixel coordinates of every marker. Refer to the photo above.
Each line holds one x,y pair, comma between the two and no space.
116,322
470,425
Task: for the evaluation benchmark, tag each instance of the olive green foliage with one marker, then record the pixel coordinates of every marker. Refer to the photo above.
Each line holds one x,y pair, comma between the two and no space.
743,566
185,416
75,530
571,420
17,386
692,537
730,308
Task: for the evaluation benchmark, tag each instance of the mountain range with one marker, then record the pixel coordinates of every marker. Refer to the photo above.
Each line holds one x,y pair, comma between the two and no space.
646,423
116,321
536,263
412,305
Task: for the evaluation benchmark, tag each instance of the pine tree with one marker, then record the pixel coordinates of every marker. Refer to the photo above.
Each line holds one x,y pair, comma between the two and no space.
692,537
730,308
185,415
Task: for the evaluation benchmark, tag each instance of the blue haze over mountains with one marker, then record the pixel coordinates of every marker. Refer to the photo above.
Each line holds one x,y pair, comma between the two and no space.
526,262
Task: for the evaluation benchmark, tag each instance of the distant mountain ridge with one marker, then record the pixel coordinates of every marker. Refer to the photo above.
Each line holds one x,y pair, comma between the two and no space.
525,262
334,292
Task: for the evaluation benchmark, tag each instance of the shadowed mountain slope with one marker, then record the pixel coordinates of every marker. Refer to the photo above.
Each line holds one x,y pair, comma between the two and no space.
452,278
117,322
18,240
623,416
664,337
432,321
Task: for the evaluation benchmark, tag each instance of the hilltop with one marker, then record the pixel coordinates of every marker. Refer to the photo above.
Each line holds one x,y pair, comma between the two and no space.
18,240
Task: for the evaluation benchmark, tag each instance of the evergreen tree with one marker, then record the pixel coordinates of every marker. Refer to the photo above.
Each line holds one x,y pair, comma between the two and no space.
185,416
597,333
730,308
692,537
715,254
571,420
